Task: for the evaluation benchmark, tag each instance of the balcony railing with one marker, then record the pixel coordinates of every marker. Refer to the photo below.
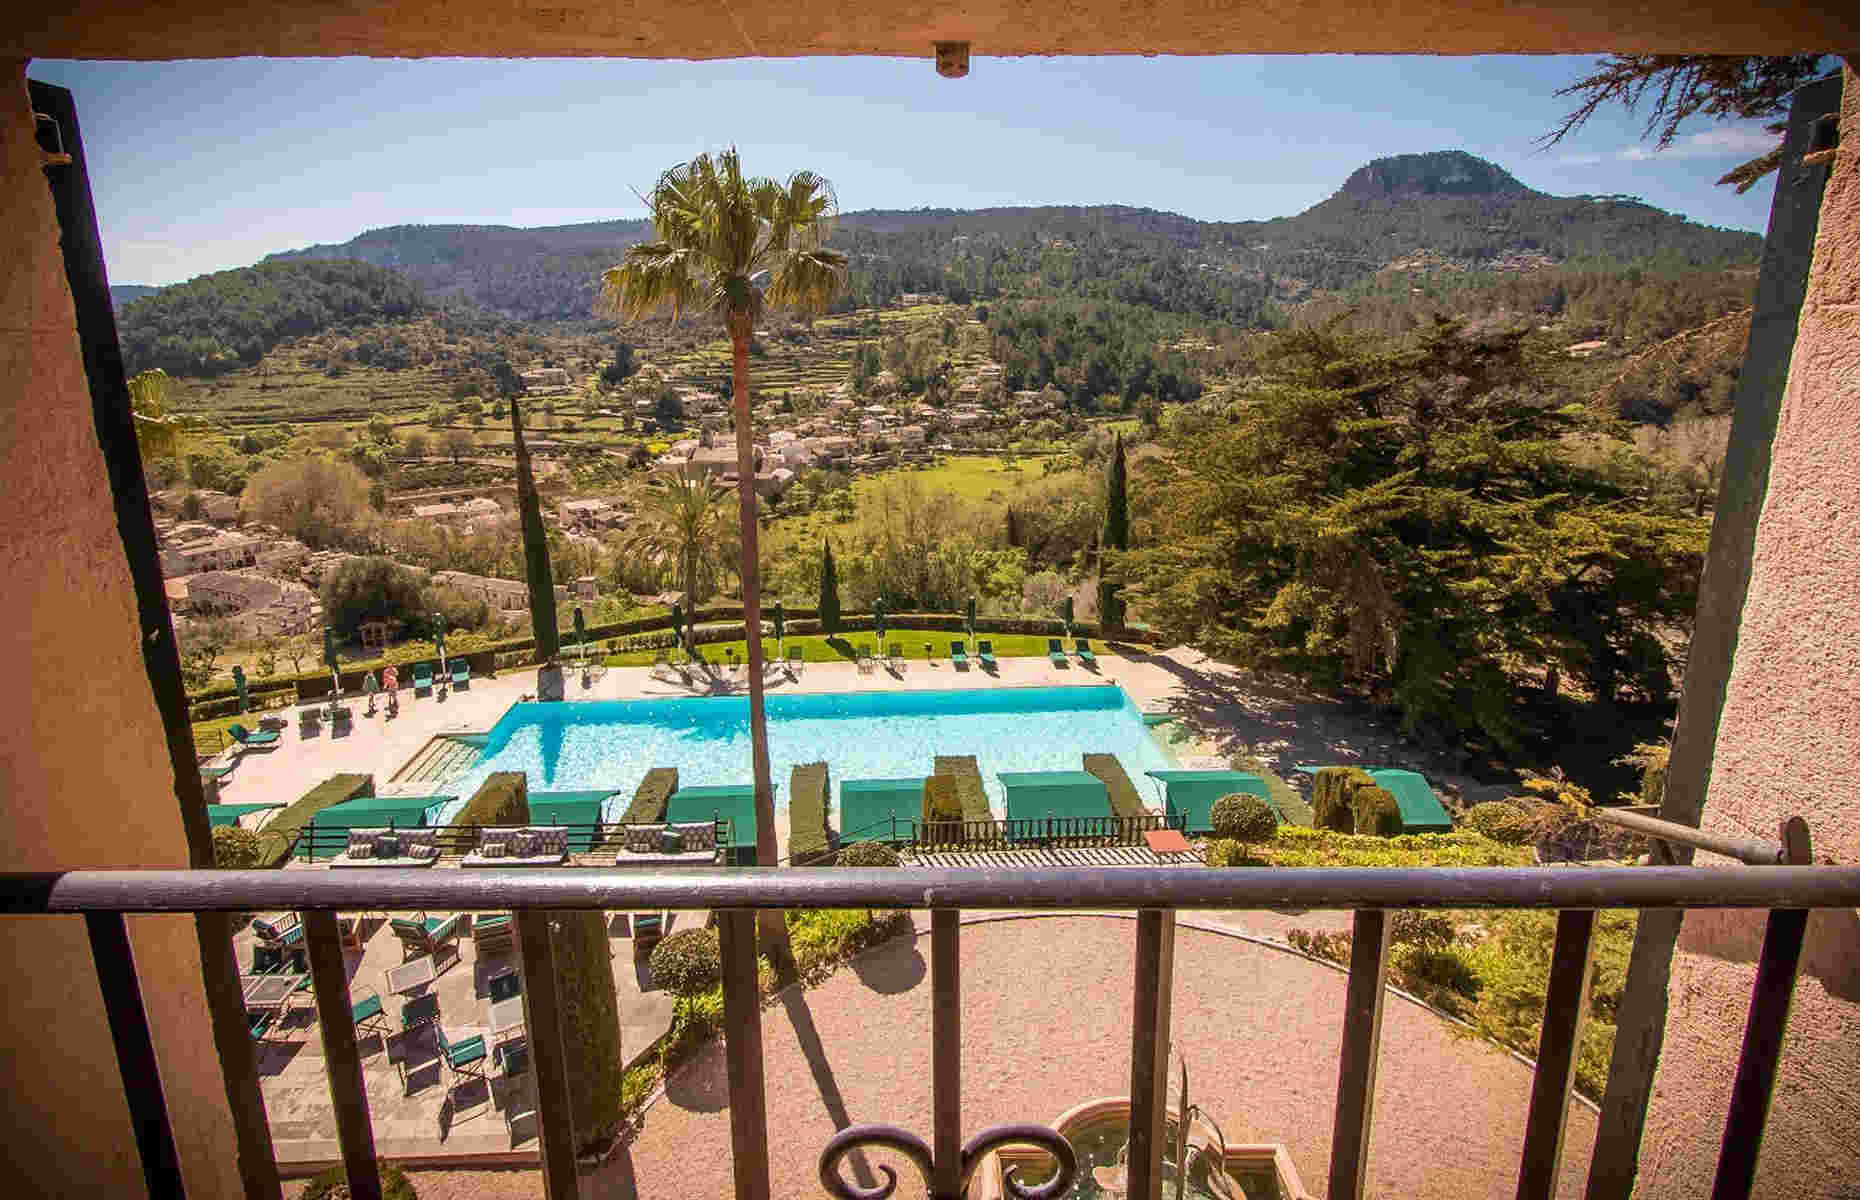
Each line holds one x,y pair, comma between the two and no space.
1787,891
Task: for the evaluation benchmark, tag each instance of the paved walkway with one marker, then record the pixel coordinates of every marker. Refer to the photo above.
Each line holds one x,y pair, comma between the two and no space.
1046,1009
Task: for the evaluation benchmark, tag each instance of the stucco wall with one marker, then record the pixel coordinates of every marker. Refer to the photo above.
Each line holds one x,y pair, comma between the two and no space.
83,764
1788,743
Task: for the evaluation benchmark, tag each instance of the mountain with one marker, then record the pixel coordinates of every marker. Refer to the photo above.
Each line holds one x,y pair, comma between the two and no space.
1448,210
215,323
123,293
539,274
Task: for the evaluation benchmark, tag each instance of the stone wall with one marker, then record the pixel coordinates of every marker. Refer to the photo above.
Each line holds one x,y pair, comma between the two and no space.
1788,743
83,762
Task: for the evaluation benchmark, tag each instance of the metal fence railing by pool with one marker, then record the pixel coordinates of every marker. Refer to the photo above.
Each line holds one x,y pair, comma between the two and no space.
1153,893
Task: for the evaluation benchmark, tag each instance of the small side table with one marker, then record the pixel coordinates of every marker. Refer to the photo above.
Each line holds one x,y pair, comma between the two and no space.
1167,844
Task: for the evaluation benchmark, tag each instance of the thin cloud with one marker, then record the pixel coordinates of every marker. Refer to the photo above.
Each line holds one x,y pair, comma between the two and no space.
1731,141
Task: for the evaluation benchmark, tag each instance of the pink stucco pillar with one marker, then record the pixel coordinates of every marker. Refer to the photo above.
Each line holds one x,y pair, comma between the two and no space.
1788,743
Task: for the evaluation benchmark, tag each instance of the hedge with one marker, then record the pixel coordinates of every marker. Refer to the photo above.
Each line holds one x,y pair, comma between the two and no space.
942,799
1242,817
1125,800
1376,812
968,785
590,1020
503,799
1333,795
809,788
283,829
650,797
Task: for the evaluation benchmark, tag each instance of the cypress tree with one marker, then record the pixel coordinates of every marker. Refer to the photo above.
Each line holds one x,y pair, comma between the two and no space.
829,593
535,547
1116,534
1013,527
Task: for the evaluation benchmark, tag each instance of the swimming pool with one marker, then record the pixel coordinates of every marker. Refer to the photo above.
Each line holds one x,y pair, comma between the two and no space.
611,744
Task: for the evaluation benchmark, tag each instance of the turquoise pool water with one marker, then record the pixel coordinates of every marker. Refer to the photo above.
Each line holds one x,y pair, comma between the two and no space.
861,735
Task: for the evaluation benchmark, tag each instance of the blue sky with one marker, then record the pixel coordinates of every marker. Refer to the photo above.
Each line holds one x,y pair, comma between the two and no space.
201,166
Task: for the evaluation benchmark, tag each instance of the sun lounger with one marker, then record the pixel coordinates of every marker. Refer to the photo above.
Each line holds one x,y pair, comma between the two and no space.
661,667
217,772
427,935
958,656
894,657
309,719
985,650
1056,652
1082,648
796,663
491,932
461,673
422,678
251,740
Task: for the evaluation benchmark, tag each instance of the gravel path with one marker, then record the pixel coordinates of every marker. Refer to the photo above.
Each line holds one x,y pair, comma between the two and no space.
1046,1018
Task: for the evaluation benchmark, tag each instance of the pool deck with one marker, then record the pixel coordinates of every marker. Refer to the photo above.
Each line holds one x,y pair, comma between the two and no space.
380,746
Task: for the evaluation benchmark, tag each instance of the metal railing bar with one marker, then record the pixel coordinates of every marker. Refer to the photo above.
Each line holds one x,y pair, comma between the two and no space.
348,1094
135,1053
946,1052
1772,994
542,1019
1153,978
1358,1054
742,1017
1058,888
1566,1003
1755,852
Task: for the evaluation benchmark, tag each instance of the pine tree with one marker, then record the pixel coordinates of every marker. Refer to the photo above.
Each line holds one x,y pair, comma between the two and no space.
535,546
829,593
1116,534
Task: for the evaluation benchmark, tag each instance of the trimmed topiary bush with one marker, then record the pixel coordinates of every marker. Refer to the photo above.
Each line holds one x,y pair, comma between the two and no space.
649,799
868,854
942,799
1243,817
688,963
284,827
1125,800
236,849
1225,852
503,799
1333,793
1375,811
590,1016
1501,822
333,1184
968,777
809,786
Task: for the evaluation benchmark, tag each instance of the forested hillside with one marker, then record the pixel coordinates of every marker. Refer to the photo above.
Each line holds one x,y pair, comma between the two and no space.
229,319
1446,222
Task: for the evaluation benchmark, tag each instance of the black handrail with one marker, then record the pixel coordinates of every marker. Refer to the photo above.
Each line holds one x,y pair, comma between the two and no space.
394,889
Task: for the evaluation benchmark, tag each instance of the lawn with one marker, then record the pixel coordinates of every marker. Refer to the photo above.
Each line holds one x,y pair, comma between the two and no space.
968,477
820,649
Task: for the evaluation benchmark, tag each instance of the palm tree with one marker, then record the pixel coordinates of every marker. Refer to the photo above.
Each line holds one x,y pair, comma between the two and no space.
684,526
157,429
734,246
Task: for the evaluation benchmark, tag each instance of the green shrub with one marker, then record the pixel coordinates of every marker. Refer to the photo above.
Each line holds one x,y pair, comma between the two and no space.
867,854
688,962
333,1184
1412,927
1243,818
235,848
1333,793
284,827
1439,975
809,786
1500,821
1376,812
942,800
503,799
1125,801
1226,852
823,937
649,799
1299,847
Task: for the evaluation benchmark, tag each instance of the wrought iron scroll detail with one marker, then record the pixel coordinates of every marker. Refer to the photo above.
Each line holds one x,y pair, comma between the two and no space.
890,1137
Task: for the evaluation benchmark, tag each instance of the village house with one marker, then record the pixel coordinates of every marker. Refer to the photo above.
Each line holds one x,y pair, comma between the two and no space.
200,548
226,592
910,435
544,379
912,299
463,514
502,596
